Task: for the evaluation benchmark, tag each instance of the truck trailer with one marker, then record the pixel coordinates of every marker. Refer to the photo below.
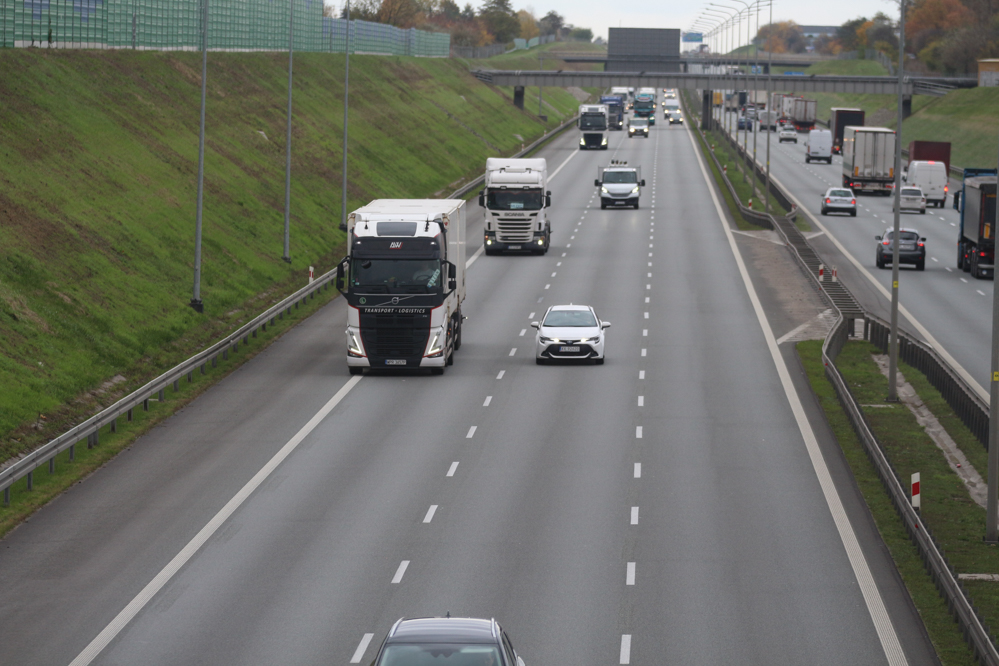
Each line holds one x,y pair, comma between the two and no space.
404,280
593,125
976,245
869,159
930,151
803,113
839,119
516,199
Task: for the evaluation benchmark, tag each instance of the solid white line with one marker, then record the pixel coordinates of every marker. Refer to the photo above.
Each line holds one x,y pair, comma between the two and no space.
453,468
478,253
634,515
500,375
564,162
430,513
489,399
629,576
861,570
625,649
638,432
361,648
513,351
641,374
471,432
108,634
638,470
400,572
641,401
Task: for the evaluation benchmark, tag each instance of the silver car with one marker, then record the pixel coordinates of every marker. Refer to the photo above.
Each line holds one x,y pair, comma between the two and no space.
839,200
570,332
787,133
911,198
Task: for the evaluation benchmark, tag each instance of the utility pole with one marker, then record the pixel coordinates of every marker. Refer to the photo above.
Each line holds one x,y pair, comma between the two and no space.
287,159
770,94
346,88
893,340
196,302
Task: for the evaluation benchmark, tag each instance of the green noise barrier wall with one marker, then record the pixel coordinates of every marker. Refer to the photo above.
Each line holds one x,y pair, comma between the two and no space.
233,25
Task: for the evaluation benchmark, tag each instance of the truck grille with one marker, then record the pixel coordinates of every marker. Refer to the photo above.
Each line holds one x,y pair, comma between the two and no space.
513,231
394,336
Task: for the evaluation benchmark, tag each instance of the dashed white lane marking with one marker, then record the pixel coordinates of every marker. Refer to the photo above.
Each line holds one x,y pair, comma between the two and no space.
641,401
646,315
513,351
646,299
643,352
522,332
641,374
980,292
430,513
568,244
629,576
500,375
634,515
650,244
530,316
361,648
650,254
650,264
638,470
454,468
400,572
625,649
489,399
126,615
559,263
948,269
563,254
952,224
934,259
638,432
964,281
648,286
553,274
548,286
571,238
471,432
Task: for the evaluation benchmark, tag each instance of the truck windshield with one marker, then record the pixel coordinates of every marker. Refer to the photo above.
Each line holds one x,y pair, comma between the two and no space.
644,105
620,177
514,200
592,121
396,276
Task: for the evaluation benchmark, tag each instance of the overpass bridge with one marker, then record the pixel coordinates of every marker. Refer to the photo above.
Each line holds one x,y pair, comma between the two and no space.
685,61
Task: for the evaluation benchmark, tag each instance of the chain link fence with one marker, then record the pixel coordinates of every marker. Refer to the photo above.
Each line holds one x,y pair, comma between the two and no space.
175,25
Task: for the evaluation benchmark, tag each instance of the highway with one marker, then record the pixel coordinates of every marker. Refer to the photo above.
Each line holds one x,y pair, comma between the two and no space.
678,505
948,308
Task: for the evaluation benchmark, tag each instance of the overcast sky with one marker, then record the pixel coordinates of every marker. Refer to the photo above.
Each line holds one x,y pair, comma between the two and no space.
598,15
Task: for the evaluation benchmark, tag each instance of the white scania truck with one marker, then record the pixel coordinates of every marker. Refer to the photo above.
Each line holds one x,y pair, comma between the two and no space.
516,199
404,279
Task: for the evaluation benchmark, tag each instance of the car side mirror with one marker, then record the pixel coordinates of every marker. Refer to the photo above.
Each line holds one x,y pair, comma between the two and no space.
605,324
596,183
643,183
877,238
482,199
923,239
535,324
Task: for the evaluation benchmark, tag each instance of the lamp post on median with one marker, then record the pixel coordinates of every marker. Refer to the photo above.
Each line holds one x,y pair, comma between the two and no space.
287,159
346,90
746,6
727,24
893,340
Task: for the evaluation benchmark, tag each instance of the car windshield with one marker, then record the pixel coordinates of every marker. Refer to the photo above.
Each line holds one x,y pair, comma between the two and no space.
396,276
570,319
840,193
904,235
440,654
639,122
620,177
911,192
514,200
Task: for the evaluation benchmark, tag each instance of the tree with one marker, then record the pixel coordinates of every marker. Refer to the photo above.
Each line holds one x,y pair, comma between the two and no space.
400,13
783,37
362,10
581,35
551,23
846,34
468,13
500,20
528,24
450,10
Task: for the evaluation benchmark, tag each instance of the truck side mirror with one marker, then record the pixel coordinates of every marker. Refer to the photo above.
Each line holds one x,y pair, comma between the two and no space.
482,199
452,284
340,274
596,183
643,182
452,270
548,200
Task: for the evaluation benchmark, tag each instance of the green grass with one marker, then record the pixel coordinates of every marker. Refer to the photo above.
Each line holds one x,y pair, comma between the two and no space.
966,118
847,68
98,163
957,523
940,625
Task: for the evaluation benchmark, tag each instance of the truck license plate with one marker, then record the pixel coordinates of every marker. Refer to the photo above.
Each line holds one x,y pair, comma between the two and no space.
515,247
568,349
395,361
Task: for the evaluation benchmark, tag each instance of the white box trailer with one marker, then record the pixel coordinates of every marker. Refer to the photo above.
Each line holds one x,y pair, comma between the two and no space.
869,159
404,279
516,199
803,113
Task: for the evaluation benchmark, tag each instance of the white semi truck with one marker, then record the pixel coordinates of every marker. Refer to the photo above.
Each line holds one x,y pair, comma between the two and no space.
516,199
404,280
593,125
869,159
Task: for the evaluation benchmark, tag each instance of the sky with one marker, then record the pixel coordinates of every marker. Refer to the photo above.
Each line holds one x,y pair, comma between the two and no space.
598,15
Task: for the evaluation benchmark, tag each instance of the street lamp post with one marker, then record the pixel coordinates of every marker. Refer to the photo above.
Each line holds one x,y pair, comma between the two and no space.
196,302
346,89
893,341
287,159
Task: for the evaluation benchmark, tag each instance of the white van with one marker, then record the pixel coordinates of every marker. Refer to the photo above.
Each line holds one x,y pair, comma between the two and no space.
819,145
931,178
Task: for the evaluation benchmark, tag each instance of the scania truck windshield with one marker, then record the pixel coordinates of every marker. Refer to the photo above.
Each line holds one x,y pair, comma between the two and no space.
515,200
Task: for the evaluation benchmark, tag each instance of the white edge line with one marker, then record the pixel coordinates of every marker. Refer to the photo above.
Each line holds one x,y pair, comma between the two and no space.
564,162
861,570
126,615
362,647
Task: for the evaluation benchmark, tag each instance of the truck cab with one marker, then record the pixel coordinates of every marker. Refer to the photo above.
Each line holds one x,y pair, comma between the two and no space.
593,126
615,111
645,104
620,184
516,200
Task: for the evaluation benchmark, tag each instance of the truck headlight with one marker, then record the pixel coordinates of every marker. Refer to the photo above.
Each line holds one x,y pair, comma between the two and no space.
436,345
604,142
582,141
603,190
635,191
354,346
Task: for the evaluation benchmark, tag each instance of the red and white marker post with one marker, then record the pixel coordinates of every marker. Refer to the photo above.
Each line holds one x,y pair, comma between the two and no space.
915,491
312,274
822,272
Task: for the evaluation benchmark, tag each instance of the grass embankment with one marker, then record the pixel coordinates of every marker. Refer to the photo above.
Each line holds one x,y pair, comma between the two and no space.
97,200
955,520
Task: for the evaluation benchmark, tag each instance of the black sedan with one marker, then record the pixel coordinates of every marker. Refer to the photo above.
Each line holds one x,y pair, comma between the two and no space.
911,248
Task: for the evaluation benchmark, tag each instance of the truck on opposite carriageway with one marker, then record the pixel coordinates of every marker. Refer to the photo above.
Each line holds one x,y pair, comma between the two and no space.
976,240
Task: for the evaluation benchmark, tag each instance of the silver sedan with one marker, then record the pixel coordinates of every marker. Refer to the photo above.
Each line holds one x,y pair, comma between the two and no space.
839,200
570,332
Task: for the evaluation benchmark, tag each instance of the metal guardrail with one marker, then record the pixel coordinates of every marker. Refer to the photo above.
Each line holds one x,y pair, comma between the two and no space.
89,430
548,136
959,396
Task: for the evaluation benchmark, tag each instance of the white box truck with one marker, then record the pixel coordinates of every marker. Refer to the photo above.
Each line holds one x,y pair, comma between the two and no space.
803,113
869,159
593,125
404,280
516,199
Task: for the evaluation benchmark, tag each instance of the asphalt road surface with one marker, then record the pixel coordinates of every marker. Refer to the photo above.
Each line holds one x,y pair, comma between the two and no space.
677,505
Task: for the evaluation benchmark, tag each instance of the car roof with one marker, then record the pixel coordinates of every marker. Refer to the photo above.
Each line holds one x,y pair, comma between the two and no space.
569,307
444,630
915,231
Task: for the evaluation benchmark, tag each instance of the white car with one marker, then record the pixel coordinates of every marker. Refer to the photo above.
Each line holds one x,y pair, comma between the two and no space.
570,332
911,198
787,133
839,200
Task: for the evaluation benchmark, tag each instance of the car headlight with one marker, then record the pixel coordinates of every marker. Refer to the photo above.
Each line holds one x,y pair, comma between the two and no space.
603,190
354,346
635,190
545,340
591,340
